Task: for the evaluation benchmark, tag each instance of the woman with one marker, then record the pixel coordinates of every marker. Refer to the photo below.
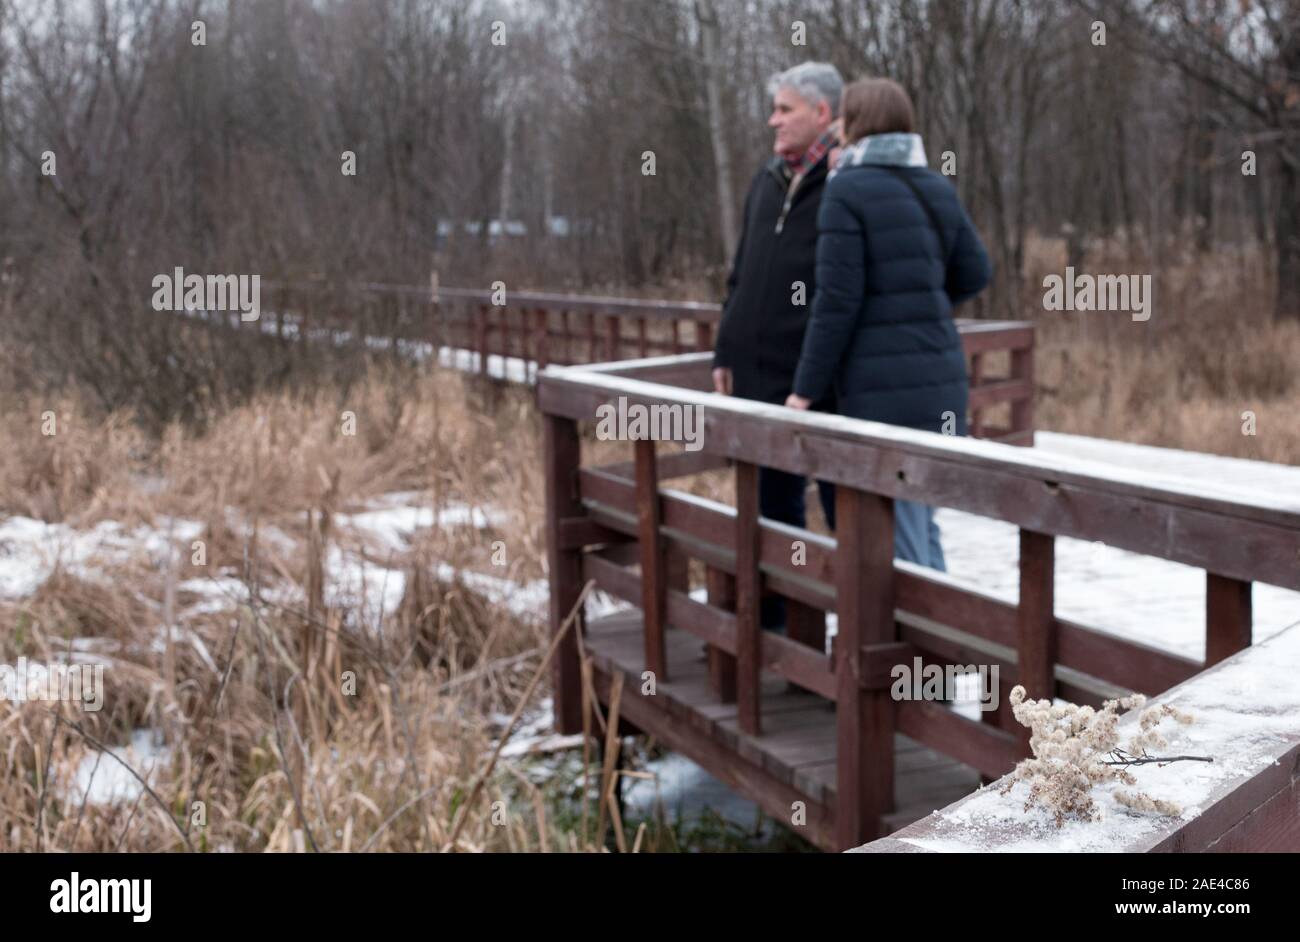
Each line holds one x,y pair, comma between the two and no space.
895,253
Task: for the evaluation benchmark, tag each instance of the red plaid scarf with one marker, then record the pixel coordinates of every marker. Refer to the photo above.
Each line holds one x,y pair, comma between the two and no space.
815,152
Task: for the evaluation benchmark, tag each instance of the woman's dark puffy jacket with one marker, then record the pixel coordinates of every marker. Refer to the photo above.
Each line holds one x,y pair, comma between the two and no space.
881,329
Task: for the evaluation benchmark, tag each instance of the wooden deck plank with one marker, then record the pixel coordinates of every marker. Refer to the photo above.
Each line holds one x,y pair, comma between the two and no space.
797,747
614,643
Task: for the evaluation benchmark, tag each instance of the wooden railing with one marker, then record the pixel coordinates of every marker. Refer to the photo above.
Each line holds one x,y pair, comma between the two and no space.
563,329
601,519
1253,804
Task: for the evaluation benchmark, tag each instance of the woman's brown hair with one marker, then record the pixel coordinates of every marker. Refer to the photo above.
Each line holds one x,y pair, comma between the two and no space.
876,106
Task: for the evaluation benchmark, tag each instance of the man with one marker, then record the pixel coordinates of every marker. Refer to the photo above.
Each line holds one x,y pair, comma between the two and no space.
771,284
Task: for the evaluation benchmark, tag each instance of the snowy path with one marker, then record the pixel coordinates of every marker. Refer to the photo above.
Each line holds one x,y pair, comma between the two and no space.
1149,600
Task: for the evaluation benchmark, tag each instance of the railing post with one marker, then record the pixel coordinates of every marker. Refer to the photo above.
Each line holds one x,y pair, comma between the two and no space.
722,666
805,624
977,380
611,337
703,336
864,601
455,316
543,347
591,337
1228,617
1001,717
527,332
1036,619
748,591
654,583
1022,410
481,328
643,348
561,454
677,339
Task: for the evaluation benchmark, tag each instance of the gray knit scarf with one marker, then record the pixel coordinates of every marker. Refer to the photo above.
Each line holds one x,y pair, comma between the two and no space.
897,150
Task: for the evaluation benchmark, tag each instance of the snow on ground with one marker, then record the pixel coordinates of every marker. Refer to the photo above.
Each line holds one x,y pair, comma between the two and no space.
685,791
393,518
498,367
103,781
31,550
375,585
215,594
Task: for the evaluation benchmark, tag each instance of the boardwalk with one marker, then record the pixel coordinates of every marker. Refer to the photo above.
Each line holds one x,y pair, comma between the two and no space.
1155,601
620,528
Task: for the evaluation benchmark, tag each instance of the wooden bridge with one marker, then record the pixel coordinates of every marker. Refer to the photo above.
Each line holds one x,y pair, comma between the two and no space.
861,763
806,729
545,328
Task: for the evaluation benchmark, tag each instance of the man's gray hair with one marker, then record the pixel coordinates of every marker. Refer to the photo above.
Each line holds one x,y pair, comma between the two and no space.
813,81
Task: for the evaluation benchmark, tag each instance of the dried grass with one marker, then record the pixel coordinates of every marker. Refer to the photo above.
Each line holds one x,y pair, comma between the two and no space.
261,730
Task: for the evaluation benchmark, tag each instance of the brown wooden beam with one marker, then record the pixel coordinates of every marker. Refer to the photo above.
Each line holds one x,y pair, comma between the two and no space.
577,532
612,351
864,524
1022,408
1228,617
749,590
654,575
1036,650
993,752
722,665
974,404
561,454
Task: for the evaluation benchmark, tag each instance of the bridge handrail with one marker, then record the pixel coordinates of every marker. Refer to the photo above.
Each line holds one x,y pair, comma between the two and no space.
553,328
1251,806
886,611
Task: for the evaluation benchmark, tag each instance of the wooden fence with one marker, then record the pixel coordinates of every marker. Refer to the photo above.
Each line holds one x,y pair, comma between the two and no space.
618,525
563,329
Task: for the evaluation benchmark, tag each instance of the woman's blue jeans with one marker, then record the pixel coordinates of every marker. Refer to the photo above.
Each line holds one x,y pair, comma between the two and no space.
781,497
916,535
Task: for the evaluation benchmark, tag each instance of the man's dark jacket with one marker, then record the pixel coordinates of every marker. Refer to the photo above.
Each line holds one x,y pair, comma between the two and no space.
762,327
881,333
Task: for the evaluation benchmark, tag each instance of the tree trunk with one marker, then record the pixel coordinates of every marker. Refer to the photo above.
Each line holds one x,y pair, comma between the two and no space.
1287,233
708,20
1287,201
